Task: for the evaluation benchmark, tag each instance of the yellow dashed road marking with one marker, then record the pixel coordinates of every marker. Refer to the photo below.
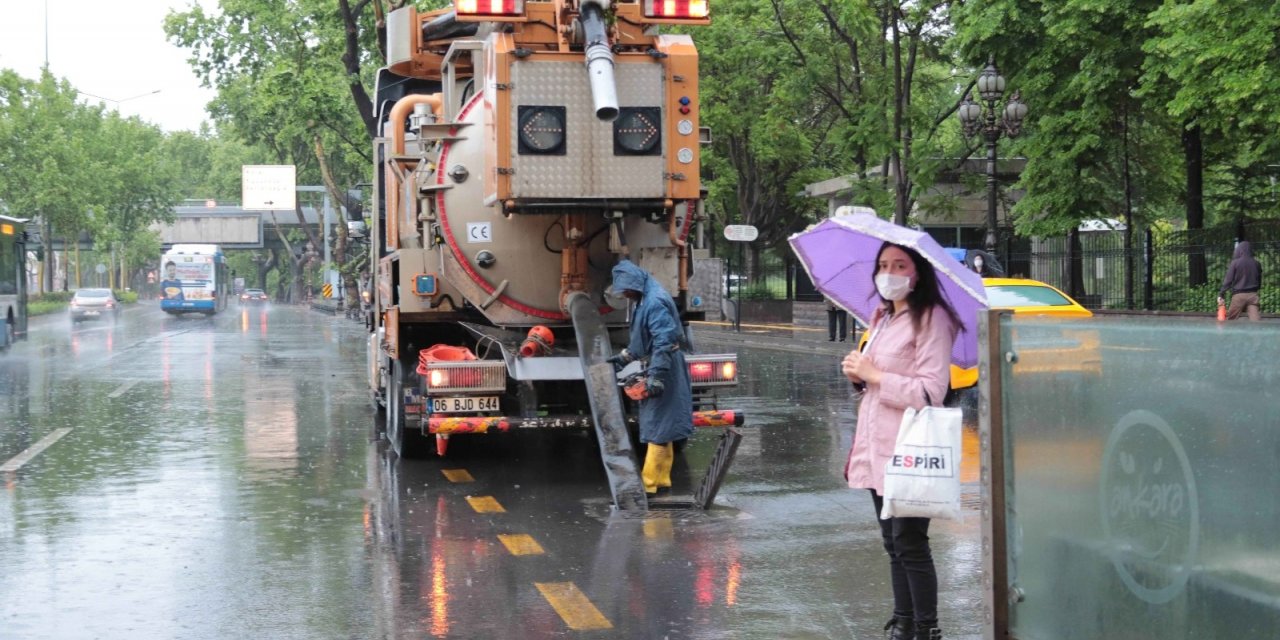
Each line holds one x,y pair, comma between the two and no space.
457,475
573,606
521,544
485,504
659,529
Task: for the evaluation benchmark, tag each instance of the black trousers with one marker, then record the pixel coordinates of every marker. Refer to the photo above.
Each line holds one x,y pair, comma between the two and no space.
837,317
915,580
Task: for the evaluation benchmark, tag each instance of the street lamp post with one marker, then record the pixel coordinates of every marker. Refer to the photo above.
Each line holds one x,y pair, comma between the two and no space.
992,122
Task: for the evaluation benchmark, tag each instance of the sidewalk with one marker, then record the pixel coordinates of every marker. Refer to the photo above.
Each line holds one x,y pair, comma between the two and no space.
779,337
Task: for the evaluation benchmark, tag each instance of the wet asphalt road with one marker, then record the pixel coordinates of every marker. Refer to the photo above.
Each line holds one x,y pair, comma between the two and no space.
224,478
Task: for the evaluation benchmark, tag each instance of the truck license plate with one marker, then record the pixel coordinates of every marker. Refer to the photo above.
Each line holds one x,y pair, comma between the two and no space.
456,404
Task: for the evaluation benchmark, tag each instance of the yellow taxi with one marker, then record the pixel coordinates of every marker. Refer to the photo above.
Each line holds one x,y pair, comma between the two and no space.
1024,296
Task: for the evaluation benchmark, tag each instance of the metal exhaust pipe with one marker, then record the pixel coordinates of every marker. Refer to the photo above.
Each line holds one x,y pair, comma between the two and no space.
599,54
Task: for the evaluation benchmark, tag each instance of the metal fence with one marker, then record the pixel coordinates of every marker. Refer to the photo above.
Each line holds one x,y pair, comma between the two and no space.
1155,274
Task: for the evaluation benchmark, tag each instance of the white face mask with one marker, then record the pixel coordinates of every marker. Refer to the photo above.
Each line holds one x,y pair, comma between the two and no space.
892,286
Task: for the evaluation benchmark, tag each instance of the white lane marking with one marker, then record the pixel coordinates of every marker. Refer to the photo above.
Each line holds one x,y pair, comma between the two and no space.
124,388
33,451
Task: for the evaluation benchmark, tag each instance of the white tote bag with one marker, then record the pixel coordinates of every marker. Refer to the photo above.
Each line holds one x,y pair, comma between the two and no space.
922,477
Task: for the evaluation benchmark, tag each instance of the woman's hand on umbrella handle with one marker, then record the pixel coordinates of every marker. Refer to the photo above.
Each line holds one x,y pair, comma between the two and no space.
858,368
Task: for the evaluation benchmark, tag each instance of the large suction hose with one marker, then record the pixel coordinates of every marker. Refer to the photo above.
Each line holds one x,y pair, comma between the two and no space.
599,59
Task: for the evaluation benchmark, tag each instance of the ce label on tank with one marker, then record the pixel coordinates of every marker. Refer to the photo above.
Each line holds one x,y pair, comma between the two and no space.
479,232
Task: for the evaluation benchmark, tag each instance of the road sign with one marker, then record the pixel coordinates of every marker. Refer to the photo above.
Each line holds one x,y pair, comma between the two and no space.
740,233
100,269
268,187
327,290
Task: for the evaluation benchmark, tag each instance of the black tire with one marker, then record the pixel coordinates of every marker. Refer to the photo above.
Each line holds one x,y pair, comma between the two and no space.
406,443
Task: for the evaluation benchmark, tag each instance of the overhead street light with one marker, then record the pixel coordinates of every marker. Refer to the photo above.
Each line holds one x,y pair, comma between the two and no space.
992,122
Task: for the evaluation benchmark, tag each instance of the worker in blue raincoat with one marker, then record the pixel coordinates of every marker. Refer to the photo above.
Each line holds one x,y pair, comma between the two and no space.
666,399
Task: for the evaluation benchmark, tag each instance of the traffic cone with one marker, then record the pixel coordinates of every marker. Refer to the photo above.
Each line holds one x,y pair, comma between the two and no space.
1222,312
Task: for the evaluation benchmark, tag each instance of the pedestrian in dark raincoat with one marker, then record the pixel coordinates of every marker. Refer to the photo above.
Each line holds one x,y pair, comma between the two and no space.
1243,280
666,404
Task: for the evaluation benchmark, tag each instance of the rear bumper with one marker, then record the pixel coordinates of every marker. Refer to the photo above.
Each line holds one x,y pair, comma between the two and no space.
92,314
447,425
187,305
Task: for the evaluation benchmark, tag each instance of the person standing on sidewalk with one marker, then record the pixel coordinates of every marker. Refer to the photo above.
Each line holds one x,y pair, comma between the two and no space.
1243,279
906,364
666,399
836,317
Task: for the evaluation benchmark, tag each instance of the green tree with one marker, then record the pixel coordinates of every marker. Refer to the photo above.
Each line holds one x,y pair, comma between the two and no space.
772,133
134,186
43,168
208,165
287,76
1214,65
1094,147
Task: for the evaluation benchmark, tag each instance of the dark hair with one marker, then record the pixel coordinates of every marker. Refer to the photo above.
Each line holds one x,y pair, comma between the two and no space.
927,293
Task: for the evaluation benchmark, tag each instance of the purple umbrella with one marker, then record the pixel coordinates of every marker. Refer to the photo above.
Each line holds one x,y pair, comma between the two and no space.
839,254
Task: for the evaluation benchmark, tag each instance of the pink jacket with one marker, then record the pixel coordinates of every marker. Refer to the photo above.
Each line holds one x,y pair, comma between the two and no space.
912,364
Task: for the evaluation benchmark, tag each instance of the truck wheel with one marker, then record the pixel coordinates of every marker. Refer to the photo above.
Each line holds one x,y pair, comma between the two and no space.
405,443
395,409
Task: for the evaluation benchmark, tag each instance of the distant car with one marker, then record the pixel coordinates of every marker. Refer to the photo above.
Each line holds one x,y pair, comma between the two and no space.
94,304
253,295
1024,296
732,284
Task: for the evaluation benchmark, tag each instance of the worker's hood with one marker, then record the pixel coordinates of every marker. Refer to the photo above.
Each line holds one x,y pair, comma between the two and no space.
629,277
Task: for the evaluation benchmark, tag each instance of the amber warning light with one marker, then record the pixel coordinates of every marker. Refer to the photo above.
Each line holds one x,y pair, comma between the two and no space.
489,7
675,8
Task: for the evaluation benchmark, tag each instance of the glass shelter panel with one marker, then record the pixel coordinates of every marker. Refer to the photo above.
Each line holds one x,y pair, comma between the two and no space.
1142,477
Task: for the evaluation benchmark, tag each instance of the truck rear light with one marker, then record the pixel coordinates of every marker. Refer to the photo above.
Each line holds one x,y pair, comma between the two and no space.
675,8
478,376
489,7
713,370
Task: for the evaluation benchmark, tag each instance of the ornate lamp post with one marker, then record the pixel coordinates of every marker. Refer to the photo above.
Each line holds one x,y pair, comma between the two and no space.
992,122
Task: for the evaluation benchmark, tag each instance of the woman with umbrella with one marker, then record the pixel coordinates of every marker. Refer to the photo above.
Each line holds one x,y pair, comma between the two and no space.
921,307
906,364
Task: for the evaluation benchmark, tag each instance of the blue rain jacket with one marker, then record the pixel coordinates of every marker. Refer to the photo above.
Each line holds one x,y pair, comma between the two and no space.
656,334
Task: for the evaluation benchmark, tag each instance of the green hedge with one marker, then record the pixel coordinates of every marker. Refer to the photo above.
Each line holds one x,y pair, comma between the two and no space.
45,307
51,296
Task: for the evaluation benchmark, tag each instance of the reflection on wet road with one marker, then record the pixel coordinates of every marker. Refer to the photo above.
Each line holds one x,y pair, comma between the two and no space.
220,478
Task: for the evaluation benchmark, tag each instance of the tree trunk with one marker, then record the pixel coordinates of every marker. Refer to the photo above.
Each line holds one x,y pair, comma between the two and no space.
46,265
351,62
895,157
266,267
340,200
1193,150
1128,219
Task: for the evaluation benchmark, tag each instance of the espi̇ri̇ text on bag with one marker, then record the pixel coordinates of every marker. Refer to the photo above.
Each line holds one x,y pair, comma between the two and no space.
922,477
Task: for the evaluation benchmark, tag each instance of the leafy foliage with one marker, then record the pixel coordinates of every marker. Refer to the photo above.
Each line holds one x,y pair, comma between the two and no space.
78,168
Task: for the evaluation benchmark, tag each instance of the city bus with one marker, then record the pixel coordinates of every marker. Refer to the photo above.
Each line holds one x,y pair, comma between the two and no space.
13,281
194,278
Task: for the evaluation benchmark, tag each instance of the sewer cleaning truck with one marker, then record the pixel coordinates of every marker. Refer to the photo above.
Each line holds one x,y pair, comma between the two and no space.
524,149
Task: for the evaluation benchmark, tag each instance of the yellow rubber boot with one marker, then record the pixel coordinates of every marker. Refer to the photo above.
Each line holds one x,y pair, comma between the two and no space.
668,460
657,467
